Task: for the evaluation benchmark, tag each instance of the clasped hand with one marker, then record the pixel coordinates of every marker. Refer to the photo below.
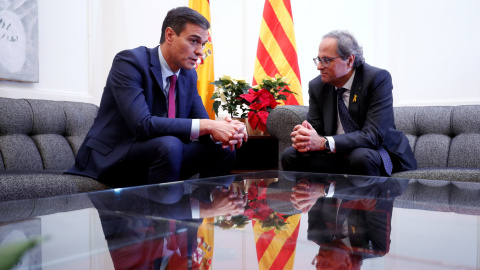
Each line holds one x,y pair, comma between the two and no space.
231,133
226,202
305,138
306,194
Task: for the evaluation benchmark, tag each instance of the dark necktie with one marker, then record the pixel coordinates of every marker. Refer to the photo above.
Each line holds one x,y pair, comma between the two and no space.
347,122
349,126
171,96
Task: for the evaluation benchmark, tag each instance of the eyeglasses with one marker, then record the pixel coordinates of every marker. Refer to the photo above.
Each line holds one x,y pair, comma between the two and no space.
325,61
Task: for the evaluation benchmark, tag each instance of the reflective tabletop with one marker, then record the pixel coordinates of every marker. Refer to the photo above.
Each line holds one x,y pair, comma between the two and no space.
262,220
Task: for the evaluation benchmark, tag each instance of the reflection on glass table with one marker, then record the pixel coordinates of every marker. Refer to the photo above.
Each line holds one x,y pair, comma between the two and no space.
263,220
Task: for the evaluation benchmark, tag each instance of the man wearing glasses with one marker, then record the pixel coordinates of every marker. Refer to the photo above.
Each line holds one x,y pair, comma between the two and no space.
350,124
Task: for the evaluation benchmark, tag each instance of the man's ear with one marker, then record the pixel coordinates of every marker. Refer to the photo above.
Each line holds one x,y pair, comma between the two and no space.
350,61
169,34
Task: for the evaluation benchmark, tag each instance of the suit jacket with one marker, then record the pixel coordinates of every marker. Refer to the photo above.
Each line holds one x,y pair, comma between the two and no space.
134,108
367,209
371,107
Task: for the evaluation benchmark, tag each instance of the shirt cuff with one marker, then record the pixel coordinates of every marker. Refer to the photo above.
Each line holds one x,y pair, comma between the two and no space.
331,143
195,131
195,208
330,190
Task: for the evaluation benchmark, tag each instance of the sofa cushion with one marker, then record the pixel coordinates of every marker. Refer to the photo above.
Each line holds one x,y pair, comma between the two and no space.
19,153
450,174
38,184
55,151
16,117
79,119
38,142
42,134
464,151
431,150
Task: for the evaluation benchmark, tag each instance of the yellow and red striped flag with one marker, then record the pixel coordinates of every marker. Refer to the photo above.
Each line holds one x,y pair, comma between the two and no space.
277,250
205,67
277,49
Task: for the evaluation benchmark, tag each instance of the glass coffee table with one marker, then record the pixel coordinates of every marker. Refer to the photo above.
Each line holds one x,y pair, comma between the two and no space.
282,220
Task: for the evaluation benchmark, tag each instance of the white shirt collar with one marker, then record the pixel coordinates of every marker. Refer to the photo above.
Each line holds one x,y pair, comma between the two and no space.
166,71
349,83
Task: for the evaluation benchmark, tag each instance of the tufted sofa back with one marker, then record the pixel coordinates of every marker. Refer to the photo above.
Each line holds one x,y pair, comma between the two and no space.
38,135
442,136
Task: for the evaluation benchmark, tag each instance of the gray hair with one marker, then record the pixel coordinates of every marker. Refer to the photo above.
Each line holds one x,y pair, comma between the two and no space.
346,46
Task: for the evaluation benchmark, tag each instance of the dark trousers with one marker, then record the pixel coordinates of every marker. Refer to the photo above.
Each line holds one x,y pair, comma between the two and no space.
168,159
361,161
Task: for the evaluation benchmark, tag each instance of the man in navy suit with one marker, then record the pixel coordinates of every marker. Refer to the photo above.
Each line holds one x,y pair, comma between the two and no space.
145,135
370,145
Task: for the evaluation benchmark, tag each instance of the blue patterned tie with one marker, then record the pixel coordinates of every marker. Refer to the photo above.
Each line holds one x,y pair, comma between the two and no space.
347,122
349,126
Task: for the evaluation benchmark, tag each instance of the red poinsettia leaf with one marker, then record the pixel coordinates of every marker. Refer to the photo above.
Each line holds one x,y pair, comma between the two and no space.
253,188
253,119
256,106
263,115
273,102
263,91
262,123
256,204
262,192
264,101
248,97
249,213
265,212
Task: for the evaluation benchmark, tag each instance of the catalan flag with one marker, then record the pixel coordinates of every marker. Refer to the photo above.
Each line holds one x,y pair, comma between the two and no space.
275,233
276,250
277,49
205,66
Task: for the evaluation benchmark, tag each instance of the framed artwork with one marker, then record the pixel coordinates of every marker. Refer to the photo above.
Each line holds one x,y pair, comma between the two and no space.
19,40
22,231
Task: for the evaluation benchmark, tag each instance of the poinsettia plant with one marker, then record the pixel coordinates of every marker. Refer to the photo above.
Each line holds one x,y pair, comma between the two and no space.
227,96
258,209
263,98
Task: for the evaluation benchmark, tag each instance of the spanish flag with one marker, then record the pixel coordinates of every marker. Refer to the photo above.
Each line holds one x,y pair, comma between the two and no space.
205,66
277,49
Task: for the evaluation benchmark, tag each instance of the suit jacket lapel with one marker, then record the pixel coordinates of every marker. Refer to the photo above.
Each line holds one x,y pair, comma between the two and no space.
355,95
155,66
330,109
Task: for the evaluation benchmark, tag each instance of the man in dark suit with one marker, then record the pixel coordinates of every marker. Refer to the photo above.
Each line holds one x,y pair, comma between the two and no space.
351,220
146,227
367,143
152,126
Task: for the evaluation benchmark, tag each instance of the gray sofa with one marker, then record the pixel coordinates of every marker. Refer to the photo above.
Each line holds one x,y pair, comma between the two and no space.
445,139
38,142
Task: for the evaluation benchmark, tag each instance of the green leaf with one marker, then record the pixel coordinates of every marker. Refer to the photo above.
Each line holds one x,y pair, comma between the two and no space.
216,83
12,253
215,106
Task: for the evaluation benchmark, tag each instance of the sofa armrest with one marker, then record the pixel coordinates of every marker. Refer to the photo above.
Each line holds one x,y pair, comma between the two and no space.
282,120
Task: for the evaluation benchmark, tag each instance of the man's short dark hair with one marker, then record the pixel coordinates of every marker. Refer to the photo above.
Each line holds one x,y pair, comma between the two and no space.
346,46
178,17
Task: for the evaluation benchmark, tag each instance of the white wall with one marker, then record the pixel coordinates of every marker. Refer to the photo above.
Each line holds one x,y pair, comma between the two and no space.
428,46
